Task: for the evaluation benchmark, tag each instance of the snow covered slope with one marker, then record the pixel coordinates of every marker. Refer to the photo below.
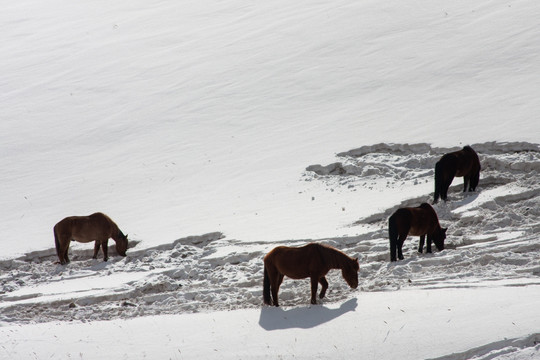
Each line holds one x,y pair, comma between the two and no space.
213,131
200,117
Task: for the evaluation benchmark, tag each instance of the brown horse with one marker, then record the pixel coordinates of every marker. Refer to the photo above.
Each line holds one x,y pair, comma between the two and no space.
419,221
313,261
464,163
97,227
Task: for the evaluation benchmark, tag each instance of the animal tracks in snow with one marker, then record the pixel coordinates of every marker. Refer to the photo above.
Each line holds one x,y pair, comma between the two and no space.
492,239
184,276
493,232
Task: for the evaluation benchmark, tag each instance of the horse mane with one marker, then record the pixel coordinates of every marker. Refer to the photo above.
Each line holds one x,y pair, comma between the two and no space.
114,228
333,257
426,206
430,208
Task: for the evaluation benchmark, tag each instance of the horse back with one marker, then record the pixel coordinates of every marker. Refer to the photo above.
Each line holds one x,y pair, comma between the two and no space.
417,221
84,229
467,161
295,262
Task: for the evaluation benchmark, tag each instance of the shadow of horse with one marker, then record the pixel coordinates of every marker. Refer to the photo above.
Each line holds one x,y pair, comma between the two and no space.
275,318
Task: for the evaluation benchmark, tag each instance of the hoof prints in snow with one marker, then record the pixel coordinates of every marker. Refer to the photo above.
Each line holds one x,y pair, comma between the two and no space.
492,237
183,276
402,163
493,232
193,274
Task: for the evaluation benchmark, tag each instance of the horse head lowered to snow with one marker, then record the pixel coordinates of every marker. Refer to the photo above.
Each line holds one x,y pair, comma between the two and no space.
420,221
97,227
311,260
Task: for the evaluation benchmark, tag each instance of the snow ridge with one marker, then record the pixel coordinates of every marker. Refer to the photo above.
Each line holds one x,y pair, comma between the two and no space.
520,348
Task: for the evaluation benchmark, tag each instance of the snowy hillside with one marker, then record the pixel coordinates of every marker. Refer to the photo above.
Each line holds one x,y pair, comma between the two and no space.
213,131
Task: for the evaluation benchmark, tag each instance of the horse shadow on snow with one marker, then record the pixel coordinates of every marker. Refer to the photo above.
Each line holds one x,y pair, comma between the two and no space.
275,318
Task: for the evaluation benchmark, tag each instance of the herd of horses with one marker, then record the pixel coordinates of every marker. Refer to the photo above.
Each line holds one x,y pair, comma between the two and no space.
312,260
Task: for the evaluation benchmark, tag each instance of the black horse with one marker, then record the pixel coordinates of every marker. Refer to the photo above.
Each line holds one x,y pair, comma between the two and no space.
464,163
418,221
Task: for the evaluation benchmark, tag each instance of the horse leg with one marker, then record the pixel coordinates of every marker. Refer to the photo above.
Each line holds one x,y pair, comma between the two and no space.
324,285
275,288
280,280
401,240
314,285
275,281
65,249
421,243
444,192
466,182
97,244
475,178
105,248
393,234
428,244
393,248
59,248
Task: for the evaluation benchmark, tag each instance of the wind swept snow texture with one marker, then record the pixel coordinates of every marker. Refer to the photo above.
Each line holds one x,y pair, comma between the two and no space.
181,118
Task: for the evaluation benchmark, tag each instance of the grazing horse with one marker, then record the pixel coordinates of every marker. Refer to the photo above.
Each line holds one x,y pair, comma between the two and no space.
97,227
419,221
313,261
464,163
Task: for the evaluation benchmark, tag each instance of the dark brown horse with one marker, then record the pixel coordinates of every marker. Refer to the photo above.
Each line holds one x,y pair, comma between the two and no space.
464,163
313,261
418,221
97,227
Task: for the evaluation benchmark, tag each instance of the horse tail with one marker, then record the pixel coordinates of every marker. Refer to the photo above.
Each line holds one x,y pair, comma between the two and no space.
393,237
475,177
56,241
438,181
58,246
266,287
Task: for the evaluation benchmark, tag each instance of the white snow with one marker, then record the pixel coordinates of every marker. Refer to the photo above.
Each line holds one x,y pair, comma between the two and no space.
409,324
212,131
